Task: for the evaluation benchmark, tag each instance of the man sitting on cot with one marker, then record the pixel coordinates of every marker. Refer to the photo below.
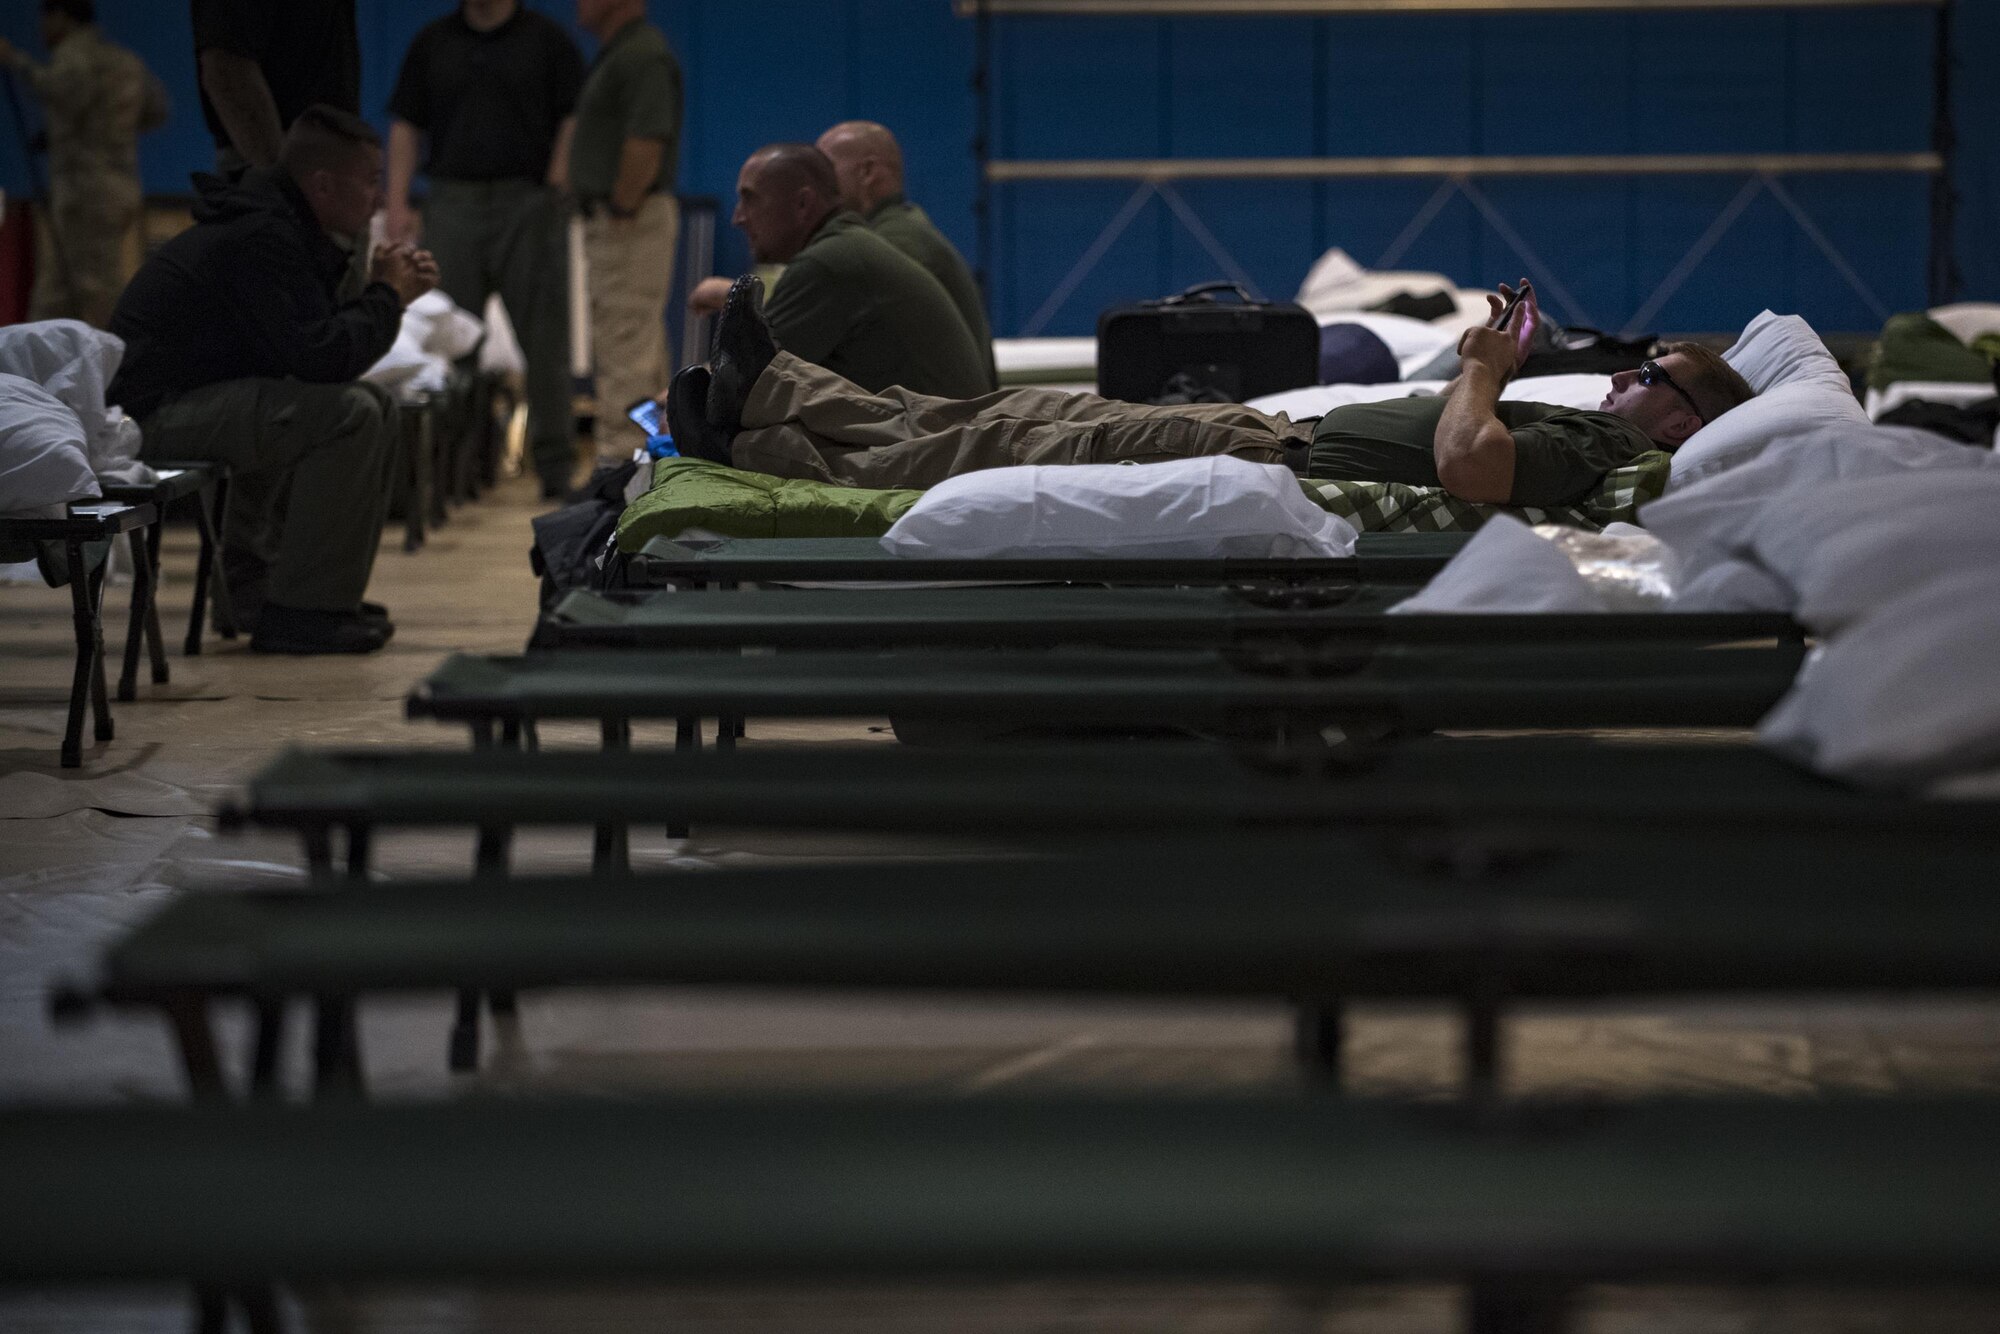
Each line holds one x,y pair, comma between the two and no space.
757,407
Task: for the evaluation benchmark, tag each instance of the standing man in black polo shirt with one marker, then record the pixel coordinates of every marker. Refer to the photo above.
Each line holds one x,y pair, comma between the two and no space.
491,91
262,63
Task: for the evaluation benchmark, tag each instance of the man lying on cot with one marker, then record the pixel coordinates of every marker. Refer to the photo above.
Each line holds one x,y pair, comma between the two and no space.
757,407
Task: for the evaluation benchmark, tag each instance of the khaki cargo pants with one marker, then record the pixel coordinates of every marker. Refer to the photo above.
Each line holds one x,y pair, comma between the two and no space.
631,264
802,420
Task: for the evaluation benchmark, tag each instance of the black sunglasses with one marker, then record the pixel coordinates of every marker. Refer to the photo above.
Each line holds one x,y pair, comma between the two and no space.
1651,373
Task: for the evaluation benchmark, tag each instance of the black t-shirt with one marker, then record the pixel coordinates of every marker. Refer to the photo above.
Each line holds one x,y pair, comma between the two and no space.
1560,454
307,49
489,102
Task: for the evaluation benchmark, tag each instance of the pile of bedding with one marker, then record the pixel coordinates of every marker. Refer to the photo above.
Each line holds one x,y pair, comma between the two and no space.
1929,366
57,435
434,334
1879,540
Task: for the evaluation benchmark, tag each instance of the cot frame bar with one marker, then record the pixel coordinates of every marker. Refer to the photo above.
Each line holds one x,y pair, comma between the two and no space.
1376,168
1265,8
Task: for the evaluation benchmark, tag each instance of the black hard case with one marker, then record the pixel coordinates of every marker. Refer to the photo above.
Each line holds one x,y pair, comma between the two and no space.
1242,347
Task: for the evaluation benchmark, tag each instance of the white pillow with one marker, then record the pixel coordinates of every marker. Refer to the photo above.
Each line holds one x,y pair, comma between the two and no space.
1798,384
1564,391
1861,544
1909,695
1192,508
44,463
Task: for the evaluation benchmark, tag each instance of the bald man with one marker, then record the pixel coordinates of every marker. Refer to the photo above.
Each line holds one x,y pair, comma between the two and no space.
847,300
868,162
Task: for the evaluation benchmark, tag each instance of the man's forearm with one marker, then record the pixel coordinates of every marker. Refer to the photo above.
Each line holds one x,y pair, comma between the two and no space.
403,145
558,175
638,168
1473,449
244,105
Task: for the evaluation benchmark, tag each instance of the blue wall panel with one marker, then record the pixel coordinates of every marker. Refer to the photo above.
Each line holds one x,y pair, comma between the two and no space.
1347,85
1398,86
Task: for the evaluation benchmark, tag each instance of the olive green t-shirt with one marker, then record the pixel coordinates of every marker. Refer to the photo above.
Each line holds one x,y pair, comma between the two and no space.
908,228
633,92
853,303
1560,454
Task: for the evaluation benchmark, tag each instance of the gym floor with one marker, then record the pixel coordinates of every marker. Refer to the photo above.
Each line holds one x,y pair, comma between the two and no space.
84,851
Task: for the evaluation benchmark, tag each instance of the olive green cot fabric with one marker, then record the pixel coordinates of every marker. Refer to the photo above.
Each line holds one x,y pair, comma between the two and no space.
693,493
1916,347
908,228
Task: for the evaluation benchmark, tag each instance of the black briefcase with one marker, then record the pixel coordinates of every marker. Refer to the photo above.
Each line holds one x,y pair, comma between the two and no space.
1225,350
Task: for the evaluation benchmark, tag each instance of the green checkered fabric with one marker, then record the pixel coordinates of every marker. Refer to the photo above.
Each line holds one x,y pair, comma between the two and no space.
1391,507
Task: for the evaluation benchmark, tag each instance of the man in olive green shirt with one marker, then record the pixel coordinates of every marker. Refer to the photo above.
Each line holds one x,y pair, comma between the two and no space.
869,164
847,300
623,160
776,414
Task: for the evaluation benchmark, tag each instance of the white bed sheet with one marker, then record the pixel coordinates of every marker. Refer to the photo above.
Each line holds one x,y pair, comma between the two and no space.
1566,391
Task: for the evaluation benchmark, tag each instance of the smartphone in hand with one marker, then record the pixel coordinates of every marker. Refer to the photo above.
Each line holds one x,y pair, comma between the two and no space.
1506,315
646,415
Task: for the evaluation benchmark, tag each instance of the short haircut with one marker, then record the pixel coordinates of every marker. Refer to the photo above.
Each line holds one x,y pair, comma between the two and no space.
83,11
789,166
325,138
871,138
1714,384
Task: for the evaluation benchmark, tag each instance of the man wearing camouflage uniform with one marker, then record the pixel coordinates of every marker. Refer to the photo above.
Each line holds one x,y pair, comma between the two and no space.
97,99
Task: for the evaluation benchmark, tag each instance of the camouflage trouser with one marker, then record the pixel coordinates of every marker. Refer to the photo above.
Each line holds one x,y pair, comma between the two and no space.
81,263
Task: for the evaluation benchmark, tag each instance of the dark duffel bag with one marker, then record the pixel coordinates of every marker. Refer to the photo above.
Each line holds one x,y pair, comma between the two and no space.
1238,349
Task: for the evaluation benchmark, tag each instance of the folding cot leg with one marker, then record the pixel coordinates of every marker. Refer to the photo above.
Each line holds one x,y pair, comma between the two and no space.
462,1049
1319,1033
267,1051
611,851
436,446
1482,1041
1516,1307
135,627
100,695
213,534
417,467
195,1038
211,1311
336,1047
359,841
204,570
319,852
156,643
85,614
260,1311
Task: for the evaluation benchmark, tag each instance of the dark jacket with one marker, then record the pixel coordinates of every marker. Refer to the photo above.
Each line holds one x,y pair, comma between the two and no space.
248,291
